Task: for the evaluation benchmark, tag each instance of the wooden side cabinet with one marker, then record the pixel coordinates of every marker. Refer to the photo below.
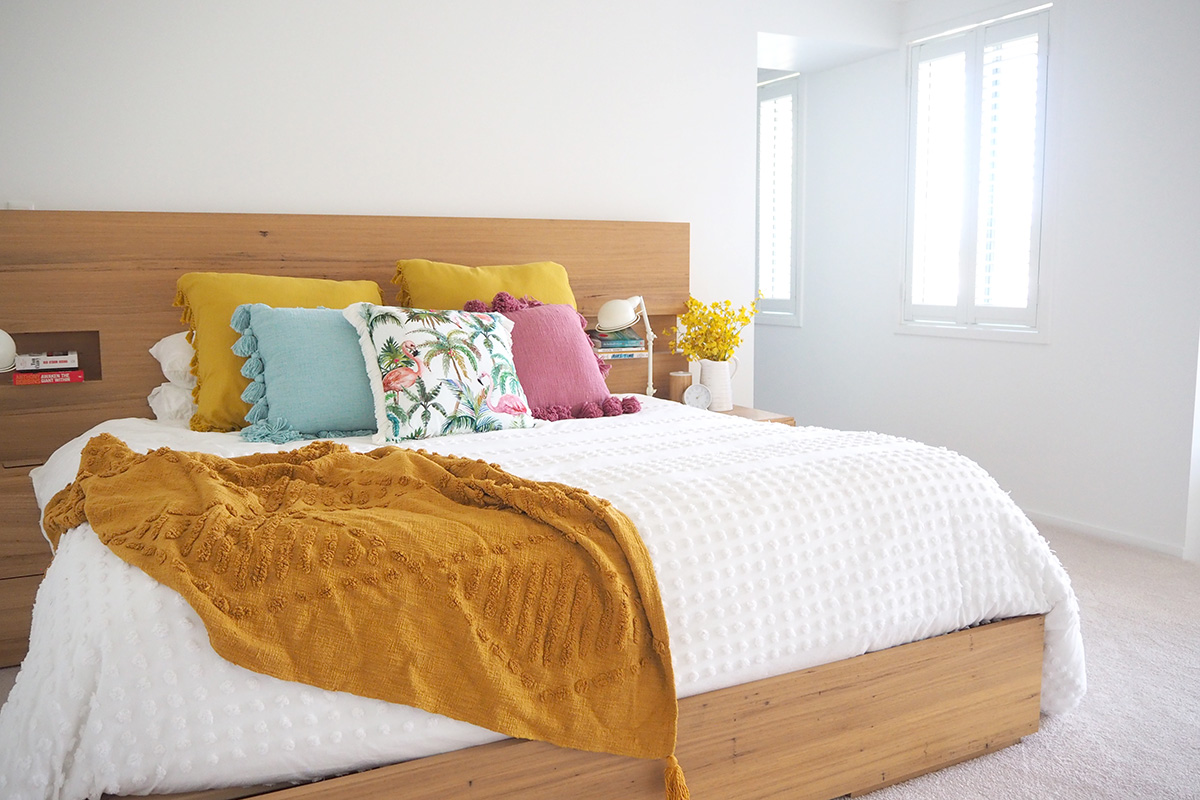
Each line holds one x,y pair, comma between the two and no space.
760,416
24,556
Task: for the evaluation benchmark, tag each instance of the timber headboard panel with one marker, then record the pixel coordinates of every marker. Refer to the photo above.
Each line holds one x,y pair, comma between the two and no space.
115,273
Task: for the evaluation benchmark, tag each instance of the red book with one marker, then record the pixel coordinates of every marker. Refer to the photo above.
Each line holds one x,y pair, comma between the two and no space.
53,376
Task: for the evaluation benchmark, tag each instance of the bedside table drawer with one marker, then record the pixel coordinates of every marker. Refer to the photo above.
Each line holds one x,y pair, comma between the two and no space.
23,550
16,614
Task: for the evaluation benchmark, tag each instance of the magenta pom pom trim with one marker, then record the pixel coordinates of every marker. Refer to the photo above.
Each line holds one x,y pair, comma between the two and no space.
552,413
611,407
503,301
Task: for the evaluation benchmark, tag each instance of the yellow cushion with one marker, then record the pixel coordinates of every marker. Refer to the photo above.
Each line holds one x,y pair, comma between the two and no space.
208,300
433,284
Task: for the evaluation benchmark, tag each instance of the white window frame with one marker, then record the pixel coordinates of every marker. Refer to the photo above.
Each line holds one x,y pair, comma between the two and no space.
778,311
966,319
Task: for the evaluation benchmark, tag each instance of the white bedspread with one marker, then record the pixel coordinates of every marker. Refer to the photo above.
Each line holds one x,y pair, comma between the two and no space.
776,548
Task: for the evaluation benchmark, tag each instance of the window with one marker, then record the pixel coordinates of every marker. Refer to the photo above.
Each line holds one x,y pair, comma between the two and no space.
978,108
780,124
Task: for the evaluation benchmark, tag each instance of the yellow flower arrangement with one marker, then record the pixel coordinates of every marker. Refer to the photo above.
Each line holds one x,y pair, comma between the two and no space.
713,331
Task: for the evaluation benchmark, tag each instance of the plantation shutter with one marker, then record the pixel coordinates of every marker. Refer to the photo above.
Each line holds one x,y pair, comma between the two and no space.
978,112
939,179
778,241
1007,170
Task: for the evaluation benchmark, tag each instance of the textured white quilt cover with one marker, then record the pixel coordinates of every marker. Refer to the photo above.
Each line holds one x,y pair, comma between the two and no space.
776,549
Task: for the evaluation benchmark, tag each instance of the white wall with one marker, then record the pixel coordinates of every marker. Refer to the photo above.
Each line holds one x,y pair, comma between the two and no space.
1191,546
1095,427
644,109
438,108
625,109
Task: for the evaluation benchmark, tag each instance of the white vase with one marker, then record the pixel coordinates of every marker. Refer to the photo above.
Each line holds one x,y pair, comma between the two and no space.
717,376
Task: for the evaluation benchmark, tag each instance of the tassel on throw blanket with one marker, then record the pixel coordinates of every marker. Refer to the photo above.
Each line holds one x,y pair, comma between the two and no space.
525,607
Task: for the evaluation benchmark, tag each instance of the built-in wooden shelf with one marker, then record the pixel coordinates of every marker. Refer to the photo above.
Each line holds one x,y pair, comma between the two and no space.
85,343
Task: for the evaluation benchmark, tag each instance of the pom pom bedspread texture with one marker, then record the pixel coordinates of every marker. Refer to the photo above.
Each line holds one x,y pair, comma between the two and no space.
775,549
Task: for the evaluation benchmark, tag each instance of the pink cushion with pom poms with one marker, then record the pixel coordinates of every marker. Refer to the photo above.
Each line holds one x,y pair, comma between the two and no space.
560,372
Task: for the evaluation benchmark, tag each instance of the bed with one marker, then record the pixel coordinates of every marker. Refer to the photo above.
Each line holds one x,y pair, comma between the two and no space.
846,610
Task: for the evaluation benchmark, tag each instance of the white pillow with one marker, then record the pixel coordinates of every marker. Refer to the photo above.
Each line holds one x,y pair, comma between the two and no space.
174,355
172,404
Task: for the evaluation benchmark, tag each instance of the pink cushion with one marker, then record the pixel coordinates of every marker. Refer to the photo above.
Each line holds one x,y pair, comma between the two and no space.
554,359
560,373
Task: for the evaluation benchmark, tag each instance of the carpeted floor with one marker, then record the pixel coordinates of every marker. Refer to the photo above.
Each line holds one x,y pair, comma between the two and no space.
1136,736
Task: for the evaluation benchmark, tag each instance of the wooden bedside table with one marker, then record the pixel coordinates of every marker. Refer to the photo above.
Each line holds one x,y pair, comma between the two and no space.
760,416
24,556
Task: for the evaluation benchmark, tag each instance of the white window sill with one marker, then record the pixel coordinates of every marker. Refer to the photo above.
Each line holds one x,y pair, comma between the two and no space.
785,319
995,333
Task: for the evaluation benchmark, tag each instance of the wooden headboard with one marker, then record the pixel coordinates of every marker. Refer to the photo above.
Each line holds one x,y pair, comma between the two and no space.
114,273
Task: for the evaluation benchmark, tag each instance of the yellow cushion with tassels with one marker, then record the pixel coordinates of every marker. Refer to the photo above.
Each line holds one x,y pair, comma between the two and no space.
208,300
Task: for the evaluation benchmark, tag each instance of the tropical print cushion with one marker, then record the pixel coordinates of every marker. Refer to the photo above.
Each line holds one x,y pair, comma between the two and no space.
434,373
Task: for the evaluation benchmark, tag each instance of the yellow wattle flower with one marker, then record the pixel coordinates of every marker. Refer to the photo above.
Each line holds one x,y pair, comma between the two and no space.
712,332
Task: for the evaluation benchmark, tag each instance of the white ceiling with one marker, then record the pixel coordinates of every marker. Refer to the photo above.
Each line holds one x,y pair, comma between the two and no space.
798,54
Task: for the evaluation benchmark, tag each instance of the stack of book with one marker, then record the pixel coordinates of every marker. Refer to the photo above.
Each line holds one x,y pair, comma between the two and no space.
61,367
624,343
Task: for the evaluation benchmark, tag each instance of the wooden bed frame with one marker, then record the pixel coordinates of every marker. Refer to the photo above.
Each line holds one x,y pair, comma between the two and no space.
104,281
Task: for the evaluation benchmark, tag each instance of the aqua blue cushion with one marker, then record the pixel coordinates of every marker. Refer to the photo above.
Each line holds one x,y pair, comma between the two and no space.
308,377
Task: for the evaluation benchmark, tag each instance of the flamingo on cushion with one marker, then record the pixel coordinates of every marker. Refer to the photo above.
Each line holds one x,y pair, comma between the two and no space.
402,377
505,403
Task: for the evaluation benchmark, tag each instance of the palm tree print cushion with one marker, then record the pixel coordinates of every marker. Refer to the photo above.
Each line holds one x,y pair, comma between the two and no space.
436,373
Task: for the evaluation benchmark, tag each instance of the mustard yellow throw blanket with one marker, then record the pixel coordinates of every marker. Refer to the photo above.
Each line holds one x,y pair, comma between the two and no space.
528,608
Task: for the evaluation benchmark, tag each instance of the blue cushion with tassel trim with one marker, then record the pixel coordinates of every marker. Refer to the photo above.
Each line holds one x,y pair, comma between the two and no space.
307,375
